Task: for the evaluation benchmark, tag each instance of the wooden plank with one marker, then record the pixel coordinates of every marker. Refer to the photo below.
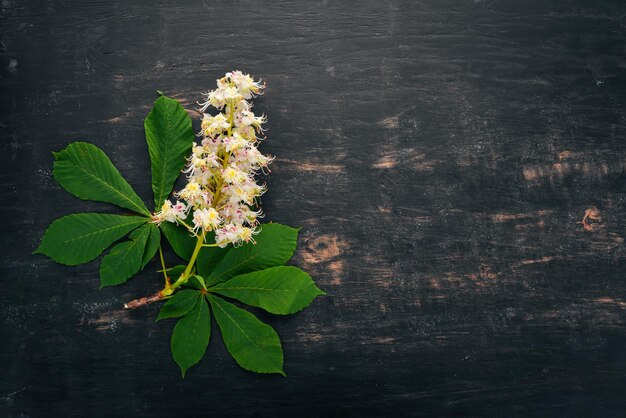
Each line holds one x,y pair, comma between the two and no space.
441,157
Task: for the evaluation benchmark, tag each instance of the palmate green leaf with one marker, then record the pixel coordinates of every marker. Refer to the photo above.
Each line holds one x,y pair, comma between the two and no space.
85,171
179,304
180,239
154,239
191,336
253,344
279,290
124,260
81,237
274,246
169,136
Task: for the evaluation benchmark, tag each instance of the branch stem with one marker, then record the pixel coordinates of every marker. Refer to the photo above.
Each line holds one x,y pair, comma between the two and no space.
167,280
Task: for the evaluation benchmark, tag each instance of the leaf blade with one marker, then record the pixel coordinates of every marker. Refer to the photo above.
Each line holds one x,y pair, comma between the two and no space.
174,272
279,290
85,171
275,245
124,260
191,336
81,237
179,304
169,136
180,239
254,345
154,240
196,282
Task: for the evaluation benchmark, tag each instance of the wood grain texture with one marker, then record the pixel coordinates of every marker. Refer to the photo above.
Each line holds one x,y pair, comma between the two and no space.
439,155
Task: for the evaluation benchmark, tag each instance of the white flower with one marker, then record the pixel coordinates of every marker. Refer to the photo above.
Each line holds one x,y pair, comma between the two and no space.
226,235
214,125
191,192
233,175
245,234
211,144
206,219
170,213
234,142
256,159
245,84
220,172
247,132
231,93
245,193
247,118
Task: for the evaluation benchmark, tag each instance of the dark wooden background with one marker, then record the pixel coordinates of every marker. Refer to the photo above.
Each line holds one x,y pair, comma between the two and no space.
440,156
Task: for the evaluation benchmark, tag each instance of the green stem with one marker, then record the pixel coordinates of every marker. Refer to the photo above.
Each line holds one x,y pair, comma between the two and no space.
185,276
194,255
167,280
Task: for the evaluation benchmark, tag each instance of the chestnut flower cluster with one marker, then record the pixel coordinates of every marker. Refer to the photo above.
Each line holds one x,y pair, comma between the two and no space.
221,194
